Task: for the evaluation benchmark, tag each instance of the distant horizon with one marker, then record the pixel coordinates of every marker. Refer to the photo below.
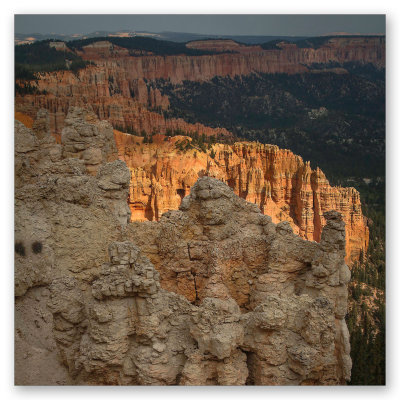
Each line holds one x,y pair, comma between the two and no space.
206,24
195,33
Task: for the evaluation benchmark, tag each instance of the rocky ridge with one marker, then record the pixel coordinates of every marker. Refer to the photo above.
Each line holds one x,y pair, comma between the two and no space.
100,300
279,182
124,113
222,45
288,59
117,81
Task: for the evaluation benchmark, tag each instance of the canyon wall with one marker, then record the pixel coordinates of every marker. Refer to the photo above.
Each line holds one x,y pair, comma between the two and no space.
213,293
119,88
117,81
124,113
279,182
290,59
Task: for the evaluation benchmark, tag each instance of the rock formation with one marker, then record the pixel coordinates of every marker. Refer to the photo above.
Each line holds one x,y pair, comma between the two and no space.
279,182
222,45
213,293
122,112
116,82
289,59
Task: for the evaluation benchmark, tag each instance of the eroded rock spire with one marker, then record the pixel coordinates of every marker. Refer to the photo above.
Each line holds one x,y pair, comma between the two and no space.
213,293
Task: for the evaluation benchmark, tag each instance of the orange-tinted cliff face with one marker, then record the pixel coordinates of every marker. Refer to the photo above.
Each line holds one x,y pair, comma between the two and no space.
122,112
121,88
279,182
245,59
115,85
25,119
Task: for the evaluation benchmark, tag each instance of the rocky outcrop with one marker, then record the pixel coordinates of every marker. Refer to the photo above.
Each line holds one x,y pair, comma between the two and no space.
213,293
58,188
105,49
124,113
67,210
90,140
279,182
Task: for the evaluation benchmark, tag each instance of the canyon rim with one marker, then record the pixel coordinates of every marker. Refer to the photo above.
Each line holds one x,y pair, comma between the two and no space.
199,211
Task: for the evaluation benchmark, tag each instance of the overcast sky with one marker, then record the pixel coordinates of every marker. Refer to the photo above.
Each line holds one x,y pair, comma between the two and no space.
284,25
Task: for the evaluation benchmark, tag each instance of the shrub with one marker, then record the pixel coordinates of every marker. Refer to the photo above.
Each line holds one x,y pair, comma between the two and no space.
20,249
37,247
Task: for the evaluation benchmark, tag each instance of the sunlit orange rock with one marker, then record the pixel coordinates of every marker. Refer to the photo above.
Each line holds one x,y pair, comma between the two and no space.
278,181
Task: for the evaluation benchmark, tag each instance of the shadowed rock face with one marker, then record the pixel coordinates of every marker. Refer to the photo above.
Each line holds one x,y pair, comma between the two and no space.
213,293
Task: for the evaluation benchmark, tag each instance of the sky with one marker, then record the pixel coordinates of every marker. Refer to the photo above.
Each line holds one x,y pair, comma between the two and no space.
217,24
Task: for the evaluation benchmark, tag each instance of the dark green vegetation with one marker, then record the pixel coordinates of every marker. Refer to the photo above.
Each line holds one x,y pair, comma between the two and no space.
366,324
272,45
158,47
170,36
198,142
246,39
337,121
318,41
20,248
22,88
310,42
37,247
40,57
366,318
24,73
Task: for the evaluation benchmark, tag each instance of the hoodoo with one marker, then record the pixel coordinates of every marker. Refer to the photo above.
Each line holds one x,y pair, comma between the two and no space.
183,300
278,181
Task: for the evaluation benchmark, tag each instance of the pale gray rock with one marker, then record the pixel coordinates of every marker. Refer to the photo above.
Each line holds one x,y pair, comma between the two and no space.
213,293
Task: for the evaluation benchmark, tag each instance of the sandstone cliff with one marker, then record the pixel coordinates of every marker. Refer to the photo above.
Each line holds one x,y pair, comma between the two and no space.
124,113
279,182
288,59
116,82
214,293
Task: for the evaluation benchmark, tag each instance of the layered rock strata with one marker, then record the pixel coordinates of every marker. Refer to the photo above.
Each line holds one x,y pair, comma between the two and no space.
279,182
214,293
123,112
289,59
118,81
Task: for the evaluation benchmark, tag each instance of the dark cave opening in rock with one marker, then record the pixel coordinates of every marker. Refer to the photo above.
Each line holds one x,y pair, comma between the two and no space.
181,193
